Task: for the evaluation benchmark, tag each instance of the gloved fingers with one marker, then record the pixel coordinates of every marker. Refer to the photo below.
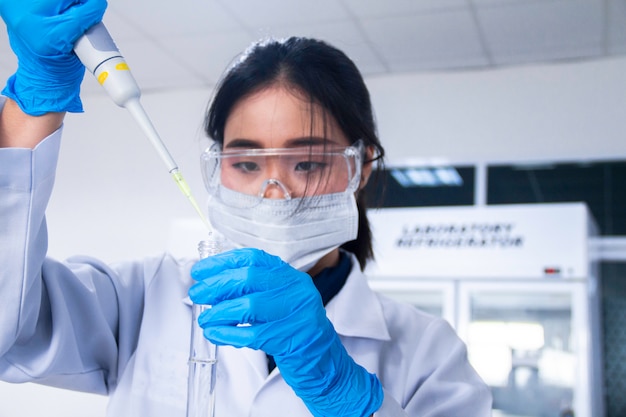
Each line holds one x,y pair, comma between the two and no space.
231,327
236,336
226,313
264,307
42,8
233,259
264,302
75,21
223,285
49,28
277,326
243,271
69,4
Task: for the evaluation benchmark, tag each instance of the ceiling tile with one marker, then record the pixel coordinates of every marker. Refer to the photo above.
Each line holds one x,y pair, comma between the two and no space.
538,31
616,31
170,44
255,14
377,8
120,28
432,41
154,68
208,56
497,3
345,35
159,18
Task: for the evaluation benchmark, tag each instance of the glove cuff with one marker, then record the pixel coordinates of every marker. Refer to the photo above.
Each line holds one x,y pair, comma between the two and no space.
333,384
358,395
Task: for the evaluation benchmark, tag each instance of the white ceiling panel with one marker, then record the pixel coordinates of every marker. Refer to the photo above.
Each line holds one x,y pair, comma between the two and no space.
155,68
538,31
159,18
121,28
335,31
189,42
388,8
426,42
254,13
207,56
500,3
346,35
616,30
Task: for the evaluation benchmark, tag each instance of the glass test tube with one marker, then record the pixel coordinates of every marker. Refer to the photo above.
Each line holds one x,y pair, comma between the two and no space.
203,354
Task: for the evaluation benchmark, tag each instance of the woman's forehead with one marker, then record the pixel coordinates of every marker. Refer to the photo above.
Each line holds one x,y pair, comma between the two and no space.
275,116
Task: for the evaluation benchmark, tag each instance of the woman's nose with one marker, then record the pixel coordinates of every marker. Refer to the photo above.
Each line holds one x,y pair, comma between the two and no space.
273,188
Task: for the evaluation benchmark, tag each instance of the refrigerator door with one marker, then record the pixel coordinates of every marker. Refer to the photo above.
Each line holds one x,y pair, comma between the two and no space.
529,342
433,297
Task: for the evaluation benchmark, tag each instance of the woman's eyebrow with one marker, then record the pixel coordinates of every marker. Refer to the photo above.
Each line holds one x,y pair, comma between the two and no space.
308,141
241,143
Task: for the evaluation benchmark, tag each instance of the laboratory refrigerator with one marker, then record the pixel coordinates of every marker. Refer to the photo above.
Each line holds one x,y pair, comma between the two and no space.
519,285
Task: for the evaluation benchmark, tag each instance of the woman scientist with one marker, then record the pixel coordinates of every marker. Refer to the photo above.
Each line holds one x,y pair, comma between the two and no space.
294,144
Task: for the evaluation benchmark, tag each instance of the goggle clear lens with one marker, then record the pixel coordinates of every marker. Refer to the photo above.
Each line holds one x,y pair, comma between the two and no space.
295,172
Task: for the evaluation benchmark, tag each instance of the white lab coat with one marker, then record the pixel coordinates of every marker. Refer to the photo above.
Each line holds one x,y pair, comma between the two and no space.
123,330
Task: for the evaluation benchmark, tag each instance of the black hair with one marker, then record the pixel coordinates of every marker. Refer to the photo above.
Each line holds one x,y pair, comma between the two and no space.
328,77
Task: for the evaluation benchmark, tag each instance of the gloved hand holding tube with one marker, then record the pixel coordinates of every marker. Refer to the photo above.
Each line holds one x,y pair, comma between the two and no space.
287,320
42,34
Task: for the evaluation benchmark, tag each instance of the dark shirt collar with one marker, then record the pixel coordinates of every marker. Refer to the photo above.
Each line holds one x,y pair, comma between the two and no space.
329,281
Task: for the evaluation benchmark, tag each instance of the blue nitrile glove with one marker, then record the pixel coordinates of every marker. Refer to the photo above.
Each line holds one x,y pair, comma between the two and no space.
288,321
42,34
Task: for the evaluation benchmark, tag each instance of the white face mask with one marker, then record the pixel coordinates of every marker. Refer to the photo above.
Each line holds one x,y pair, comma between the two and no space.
298,230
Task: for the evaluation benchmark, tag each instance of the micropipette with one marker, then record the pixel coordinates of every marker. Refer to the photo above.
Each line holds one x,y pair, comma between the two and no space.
101,57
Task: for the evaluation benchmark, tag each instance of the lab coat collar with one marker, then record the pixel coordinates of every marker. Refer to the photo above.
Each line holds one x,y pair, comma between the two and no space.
356,310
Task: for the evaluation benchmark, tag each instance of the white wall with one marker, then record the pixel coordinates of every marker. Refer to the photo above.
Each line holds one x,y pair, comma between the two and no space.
114,198
562,111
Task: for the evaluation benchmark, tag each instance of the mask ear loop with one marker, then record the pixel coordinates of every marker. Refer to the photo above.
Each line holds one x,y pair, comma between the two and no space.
274,182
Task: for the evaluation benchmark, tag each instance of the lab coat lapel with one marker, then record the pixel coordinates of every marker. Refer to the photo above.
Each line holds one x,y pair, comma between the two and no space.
356,311
277,399
241,374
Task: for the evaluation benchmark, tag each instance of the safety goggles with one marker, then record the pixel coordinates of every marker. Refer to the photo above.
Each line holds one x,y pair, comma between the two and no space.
283,172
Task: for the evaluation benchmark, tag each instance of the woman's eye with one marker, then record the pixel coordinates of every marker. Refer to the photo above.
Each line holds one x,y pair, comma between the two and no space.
310,166
246,166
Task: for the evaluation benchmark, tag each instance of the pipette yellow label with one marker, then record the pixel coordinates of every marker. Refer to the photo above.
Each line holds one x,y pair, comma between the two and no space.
122,66
103,77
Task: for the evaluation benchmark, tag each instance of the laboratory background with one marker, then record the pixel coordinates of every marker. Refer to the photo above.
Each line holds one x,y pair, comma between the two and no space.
504,205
